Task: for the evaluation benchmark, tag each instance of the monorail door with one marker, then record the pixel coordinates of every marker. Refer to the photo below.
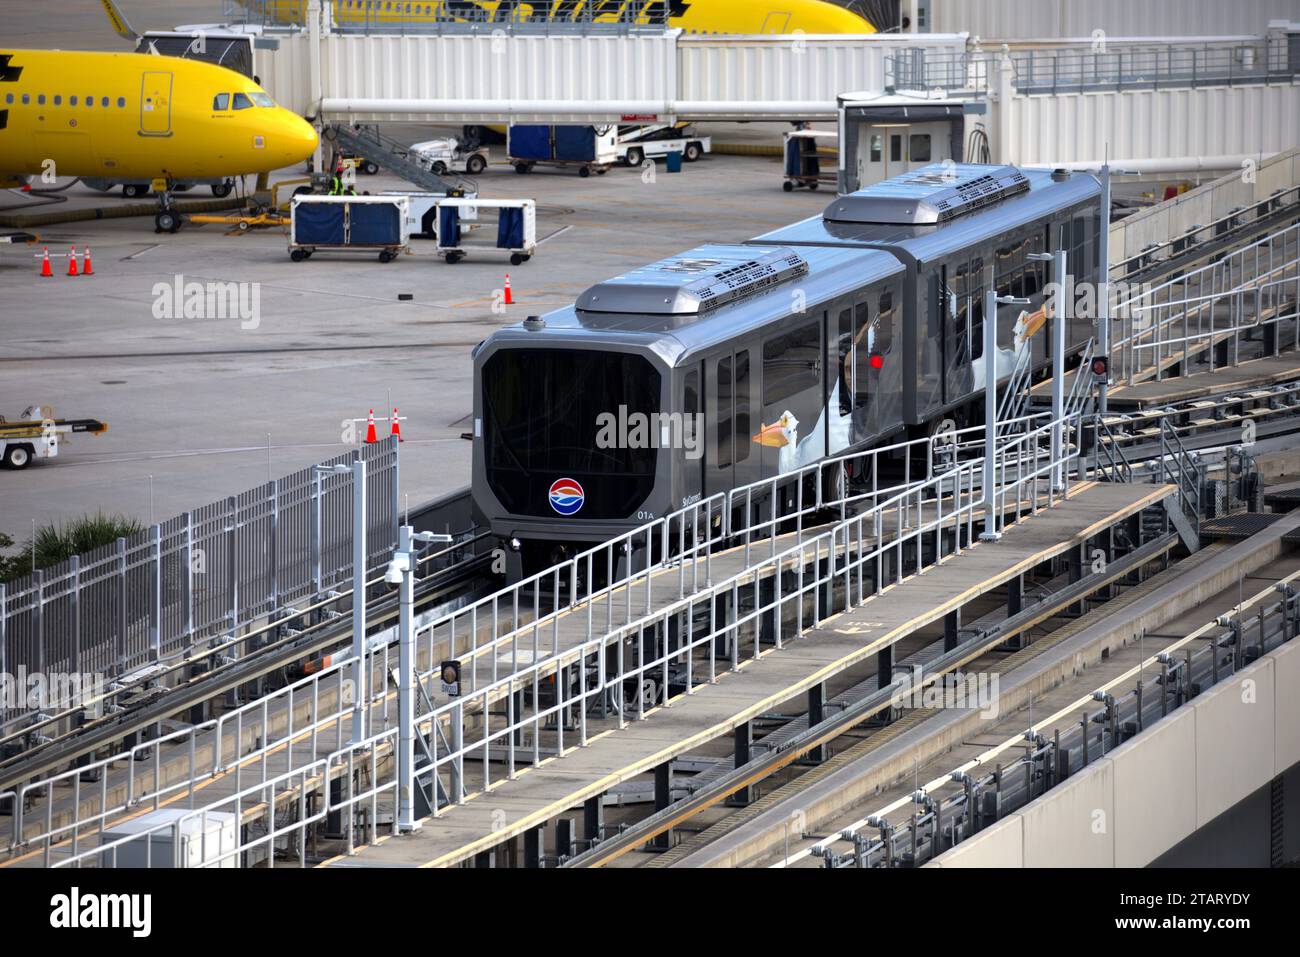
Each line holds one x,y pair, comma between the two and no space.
730,449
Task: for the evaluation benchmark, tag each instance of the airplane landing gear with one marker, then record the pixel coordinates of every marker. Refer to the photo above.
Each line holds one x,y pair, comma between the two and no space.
167,220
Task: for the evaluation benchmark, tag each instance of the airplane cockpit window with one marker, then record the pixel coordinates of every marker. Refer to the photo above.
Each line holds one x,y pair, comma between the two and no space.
221,101
242,102
261,99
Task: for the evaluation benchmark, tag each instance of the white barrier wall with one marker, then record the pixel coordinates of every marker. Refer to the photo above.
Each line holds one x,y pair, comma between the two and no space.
1146,124
1128,808
1044,19
613,75
1203,205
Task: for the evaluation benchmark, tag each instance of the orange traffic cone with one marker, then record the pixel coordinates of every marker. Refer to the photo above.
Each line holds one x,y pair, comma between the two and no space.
45,264
370,429
86,268
397,428
72,262
509,299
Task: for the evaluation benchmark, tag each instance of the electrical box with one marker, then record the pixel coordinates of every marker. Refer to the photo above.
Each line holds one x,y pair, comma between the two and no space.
173,837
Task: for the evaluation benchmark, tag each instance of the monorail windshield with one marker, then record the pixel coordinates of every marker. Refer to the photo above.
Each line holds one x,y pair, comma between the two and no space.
545,418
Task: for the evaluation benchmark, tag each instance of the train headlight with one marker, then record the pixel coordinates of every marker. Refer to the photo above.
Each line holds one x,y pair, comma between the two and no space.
515,544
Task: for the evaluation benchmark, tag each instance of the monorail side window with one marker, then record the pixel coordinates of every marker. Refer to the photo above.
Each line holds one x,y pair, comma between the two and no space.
884,328
742,396
722,454
691,408
733,410
846,368
790,363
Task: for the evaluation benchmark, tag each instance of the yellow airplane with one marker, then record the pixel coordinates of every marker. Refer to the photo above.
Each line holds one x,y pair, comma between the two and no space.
693,16
125,116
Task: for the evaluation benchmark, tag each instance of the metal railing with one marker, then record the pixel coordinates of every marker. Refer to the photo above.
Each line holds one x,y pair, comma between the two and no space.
384,17
1252,287
632,667
157,595
1234,221
1007,776
250,743
1115,67
276,742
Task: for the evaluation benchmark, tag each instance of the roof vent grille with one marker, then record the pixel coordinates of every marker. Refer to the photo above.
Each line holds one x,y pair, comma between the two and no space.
938,193
697,283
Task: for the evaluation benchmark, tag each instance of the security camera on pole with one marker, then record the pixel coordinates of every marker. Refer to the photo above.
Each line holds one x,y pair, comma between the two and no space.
401,572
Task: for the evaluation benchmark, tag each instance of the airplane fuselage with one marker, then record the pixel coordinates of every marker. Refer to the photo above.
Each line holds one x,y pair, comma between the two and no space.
135,116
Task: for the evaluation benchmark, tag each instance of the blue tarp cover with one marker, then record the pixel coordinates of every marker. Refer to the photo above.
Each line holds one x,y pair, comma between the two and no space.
375,224
318,224
792,157
448,226
575,143
510,229
530,142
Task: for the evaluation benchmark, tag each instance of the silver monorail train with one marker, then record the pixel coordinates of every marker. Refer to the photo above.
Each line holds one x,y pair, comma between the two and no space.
735,362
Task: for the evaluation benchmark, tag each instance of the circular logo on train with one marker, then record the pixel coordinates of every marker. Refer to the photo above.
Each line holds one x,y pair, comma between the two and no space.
566,496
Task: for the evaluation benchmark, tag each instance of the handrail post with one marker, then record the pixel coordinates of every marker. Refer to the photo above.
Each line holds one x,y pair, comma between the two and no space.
990,533
1060,320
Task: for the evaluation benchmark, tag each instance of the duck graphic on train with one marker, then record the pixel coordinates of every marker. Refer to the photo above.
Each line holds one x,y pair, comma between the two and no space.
858,327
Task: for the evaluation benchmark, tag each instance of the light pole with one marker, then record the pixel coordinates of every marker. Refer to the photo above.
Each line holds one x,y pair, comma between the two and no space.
401,572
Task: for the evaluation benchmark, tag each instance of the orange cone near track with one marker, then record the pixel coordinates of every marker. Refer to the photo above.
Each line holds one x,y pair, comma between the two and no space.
509,299
72,262
397,428
370,429
45,264
86,268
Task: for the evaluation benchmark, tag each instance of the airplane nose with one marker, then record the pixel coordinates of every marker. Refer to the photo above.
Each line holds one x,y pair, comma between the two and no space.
301,138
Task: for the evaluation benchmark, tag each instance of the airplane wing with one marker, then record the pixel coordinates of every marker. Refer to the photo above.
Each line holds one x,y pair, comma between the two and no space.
118,22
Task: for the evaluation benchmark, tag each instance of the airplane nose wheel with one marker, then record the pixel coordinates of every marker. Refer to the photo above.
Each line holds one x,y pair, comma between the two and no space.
166,222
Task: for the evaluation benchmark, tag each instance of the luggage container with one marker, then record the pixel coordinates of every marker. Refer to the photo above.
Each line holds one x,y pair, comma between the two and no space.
516,231
805,165
349,223
586,147
422,217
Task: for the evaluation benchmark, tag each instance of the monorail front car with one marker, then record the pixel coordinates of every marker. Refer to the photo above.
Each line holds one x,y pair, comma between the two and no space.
730,363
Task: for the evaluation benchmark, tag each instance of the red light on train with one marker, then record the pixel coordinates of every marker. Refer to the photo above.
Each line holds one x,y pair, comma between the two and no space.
877,362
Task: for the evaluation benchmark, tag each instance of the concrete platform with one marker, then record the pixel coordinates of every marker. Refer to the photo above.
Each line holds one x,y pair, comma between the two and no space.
512,807
1255,373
